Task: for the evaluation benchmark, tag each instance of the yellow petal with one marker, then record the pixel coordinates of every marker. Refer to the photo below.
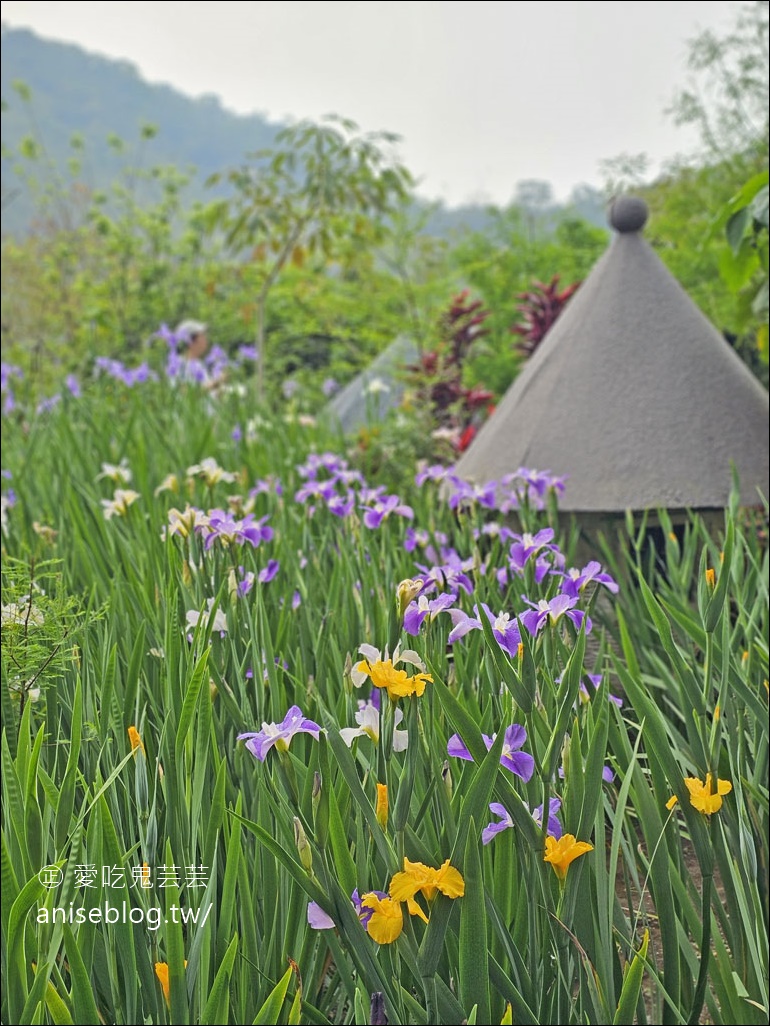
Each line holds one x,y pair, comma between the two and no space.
562,853
161,971
449,881
387,919
415,910
136,741
403,887
381,811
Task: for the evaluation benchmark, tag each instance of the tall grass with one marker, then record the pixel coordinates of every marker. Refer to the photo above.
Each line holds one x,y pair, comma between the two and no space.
665,920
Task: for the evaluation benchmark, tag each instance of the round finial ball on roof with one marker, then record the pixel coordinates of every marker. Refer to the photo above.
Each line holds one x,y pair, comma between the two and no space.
628,214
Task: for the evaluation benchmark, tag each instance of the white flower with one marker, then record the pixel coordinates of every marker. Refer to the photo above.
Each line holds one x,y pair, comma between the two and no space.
118,505
375,386
194,617
184,522
210,471
368,720
5,505
373,655
170,483
22,613
119,473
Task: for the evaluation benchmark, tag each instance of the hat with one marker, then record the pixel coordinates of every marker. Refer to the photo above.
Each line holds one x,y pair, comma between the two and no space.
187,330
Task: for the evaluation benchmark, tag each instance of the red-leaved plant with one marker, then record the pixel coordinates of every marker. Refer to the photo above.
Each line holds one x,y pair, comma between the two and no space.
438,375
539,308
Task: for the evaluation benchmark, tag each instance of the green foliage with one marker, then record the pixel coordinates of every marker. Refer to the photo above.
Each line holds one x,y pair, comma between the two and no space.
726,99
503,262
56,91
745,265
318,187
667,913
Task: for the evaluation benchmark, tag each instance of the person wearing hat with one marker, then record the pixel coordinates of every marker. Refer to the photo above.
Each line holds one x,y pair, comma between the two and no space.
193,335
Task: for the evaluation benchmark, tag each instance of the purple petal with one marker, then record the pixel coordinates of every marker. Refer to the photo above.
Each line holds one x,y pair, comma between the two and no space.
456,747
269,572
317,919
413,619
520,763
492,829
515,736
462,625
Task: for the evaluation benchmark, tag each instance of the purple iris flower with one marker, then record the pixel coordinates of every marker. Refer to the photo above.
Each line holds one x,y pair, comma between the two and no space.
553,610
328,461
175,365
168,336
416,537
329,387
216,358
607,775
223,525
436,472
73,386
314,489
595,680
368,495
296,600
505,629
195,371
248,353
246,583
417,611
340,505
527,545
267,573
237,433
464,494
450,575
318,919
506,821
48,404
265,485
531,486
8,371
280,734
518,762
112,368
383,508
575,580
289,388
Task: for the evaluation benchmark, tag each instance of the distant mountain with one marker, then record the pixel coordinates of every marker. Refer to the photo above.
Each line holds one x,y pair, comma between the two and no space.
74,92
77,93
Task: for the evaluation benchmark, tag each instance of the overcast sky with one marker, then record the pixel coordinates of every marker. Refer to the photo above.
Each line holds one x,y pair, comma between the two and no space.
483,95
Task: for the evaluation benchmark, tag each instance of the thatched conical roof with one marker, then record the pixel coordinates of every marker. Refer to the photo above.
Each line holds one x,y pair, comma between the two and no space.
633,394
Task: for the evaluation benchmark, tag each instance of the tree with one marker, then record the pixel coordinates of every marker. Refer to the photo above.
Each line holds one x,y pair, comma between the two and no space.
318,187
726,98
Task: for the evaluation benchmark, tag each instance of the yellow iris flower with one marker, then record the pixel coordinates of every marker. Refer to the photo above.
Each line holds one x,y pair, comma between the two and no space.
562,853
386,921
161,971
398,683
418,877
703,797
135,738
